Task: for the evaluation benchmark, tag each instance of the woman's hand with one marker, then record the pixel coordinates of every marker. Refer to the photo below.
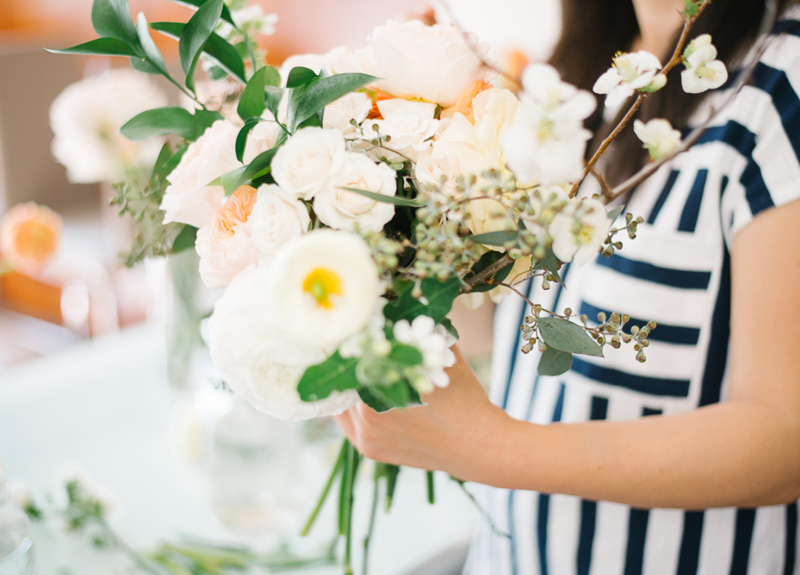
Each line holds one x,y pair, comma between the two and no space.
455,432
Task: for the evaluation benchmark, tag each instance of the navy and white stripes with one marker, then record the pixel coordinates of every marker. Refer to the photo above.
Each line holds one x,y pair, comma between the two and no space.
677,272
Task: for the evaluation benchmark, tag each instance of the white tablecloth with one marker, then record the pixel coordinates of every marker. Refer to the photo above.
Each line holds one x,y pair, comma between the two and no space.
106,407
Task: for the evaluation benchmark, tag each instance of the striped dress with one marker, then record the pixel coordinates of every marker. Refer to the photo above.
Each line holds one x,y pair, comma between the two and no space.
676,272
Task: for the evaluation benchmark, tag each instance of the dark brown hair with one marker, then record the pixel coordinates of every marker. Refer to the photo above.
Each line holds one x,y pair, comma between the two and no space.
594,30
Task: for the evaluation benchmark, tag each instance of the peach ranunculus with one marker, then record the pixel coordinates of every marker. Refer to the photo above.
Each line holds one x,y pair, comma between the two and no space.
464,102
225,246
29,236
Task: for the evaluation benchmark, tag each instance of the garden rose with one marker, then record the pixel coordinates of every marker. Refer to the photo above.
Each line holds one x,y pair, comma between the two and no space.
277,219
341,209
189,199
339,113
225,246
303,165
409,125
29,236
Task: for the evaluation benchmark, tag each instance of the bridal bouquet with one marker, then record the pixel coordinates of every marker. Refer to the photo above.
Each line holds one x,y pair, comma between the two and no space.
346,200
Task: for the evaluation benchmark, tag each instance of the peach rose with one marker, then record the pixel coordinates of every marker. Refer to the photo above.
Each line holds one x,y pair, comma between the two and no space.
225,246
464,102
29,236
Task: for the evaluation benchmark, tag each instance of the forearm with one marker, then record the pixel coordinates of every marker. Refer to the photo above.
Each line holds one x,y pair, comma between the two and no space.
731,454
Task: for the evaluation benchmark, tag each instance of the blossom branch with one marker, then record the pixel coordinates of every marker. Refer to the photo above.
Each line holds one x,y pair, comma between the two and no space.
482,276
688,22
770,13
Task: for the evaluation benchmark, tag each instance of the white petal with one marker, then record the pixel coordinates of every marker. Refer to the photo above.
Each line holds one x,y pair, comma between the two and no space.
607,82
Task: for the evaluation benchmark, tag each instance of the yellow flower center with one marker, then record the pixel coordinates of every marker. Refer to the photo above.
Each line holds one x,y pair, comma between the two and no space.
323,283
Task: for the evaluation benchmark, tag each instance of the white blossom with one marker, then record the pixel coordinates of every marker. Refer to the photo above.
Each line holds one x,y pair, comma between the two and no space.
86,118
341,209
628,73
433,343
658,136
303,165
259,357
326,286
578,236
703,71
546,141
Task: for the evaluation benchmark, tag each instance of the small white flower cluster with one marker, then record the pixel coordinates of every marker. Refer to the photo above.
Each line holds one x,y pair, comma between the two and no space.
703,71
434,343
630,72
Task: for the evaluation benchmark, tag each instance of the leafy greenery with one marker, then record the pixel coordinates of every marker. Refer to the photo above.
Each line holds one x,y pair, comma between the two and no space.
185,239
567,336
99,47
325,91
436,302
397,201
334,374
169,121
195,35
498,239
554,362
253,102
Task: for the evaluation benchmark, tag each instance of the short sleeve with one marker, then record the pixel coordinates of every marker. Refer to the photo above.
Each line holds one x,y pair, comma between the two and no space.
771,174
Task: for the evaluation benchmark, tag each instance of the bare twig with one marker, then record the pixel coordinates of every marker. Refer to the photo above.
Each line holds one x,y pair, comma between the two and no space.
602,181
770,13
688,22
482,276
474,48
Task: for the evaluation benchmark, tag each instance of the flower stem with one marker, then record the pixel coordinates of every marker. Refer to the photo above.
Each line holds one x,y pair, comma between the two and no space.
325,490
373,514
431,493
480,509
346,504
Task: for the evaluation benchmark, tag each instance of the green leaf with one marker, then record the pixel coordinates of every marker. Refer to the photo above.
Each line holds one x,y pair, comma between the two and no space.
300,76
498,239
99,47
554,362
255,169
185,239
112,19
405,354
326,91
226,13
172,163
253,101
217,48
171,120
151,52
614,214
334,374
397,201
195,35
691,8
273,98
565,335
241,138
438,295
451,329
484,262
385,397
144,66
203,120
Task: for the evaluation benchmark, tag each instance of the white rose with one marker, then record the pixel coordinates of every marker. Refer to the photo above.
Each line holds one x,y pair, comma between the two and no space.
303,165
410,126
326,286
433,170
259,358
188,199
431,63
340,113
314,62
86,118
277,219
341,209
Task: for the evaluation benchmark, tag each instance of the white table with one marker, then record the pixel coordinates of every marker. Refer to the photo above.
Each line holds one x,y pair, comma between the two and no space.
105,407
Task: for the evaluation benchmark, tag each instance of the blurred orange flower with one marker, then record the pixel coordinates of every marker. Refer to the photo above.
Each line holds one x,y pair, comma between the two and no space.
464,102
29,236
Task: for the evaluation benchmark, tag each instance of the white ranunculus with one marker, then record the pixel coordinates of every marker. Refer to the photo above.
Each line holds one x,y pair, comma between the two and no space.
341,209
418,62
277,219
304,164
189,199
86,118
326,286
225,245
703,71
433,342
410,126
628,73
658,136
339,113
581,235
259,358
